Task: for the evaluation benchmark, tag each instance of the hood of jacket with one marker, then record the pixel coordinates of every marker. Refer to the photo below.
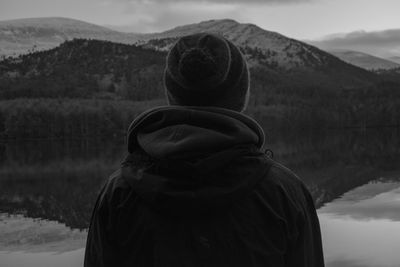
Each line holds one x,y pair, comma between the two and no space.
193,159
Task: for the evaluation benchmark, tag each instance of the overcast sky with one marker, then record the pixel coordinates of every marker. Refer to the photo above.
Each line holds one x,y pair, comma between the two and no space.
301,19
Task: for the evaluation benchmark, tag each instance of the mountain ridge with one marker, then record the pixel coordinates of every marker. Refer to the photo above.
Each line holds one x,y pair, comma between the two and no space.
380,43
243,35
21,36
268,51
274,53
48,21
364,60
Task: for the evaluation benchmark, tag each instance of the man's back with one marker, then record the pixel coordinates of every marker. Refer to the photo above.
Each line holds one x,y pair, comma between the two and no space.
203,206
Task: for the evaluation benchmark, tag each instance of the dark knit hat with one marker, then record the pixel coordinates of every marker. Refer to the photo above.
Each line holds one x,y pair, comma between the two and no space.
206,70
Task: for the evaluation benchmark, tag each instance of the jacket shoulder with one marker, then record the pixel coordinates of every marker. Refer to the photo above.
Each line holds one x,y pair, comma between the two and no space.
117,188
285,177
288,190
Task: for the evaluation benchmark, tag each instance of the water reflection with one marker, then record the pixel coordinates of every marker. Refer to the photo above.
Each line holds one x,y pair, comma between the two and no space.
37,235
362,227
57,182
376,200
37,242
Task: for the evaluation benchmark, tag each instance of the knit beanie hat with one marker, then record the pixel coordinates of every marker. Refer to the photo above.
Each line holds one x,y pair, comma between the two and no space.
206,70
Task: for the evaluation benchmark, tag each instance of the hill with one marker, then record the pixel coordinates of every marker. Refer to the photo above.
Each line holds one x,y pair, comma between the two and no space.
395,59
84,69
21,36
364,60
380,43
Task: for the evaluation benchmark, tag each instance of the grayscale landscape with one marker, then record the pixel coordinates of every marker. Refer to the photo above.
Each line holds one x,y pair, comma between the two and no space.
330,108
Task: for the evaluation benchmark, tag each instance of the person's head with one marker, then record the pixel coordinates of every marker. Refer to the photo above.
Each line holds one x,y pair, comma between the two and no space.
206,70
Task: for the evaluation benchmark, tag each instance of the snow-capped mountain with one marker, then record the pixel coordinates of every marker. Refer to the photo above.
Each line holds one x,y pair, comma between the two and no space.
275,48
20,36
364,60
275,54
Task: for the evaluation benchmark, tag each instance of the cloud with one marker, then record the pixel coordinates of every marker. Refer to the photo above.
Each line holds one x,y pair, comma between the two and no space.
380,43
150,16
280,2
387,37
160,15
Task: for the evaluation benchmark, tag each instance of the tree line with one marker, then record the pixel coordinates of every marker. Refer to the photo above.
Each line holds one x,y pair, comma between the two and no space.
55,118
88,87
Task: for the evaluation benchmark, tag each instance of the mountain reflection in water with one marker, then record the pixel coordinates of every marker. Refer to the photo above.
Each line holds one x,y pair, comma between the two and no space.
362,228
353,176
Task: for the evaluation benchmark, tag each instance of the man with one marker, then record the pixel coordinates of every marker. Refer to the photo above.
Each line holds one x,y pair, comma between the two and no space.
196,190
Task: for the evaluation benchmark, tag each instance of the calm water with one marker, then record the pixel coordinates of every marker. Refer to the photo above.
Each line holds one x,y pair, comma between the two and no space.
47,190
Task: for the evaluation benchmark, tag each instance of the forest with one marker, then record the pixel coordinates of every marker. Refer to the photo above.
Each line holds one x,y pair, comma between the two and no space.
96,88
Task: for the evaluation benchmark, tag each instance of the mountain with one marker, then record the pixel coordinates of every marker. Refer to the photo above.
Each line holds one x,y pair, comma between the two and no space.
277,49
384,43
96,68
284,61
103,69
395,59
364,60
330,94
20,36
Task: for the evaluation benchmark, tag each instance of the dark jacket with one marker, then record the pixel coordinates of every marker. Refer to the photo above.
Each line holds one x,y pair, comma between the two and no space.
196,190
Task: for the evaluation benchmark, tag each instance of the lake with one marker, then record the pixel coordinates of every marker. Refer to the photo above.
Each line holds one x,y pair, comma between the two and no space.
48,188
